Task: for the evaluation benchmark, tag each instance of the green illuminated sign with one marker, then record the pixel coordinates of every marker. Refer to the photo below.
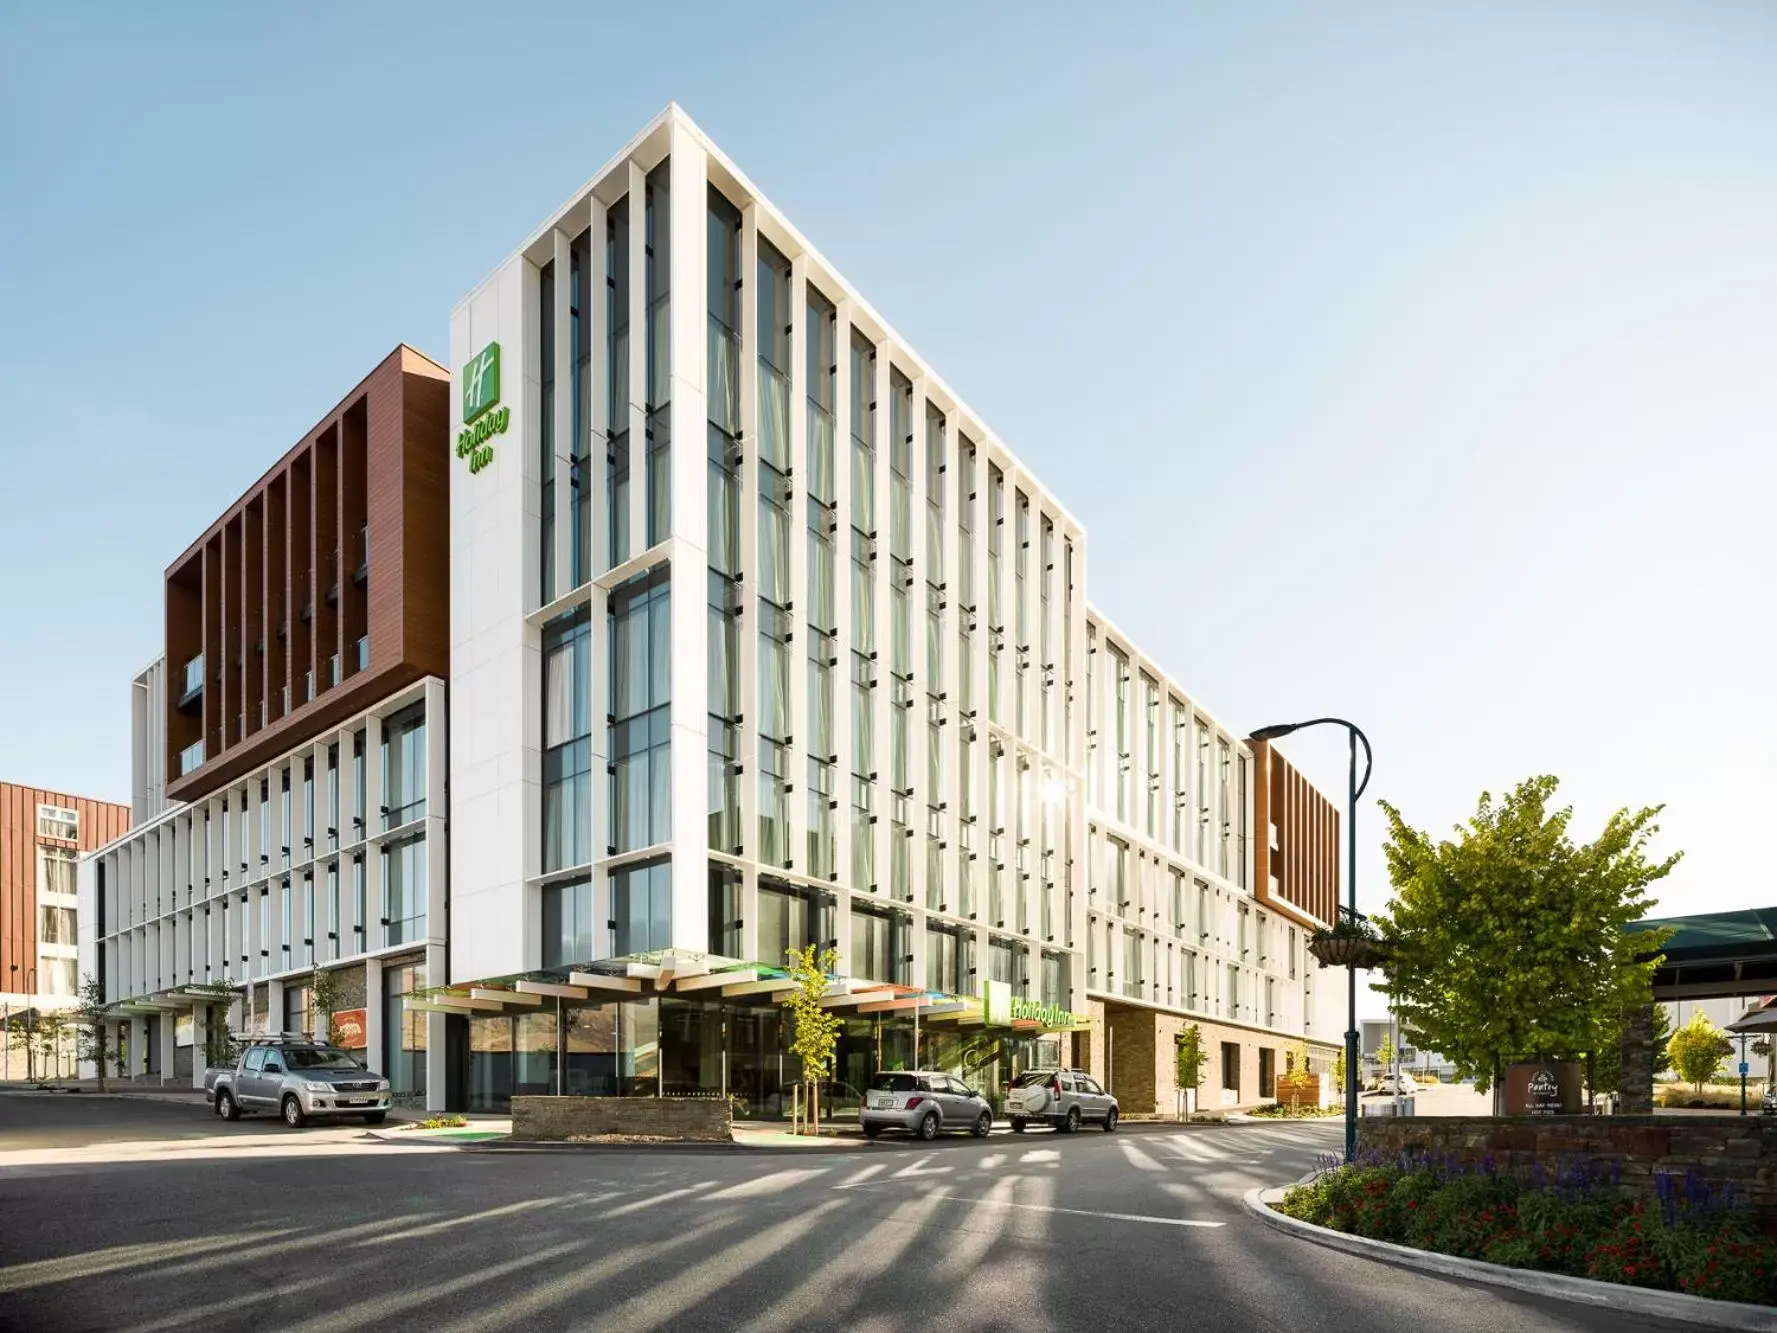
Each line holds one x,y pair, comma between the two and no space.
482,420
481,382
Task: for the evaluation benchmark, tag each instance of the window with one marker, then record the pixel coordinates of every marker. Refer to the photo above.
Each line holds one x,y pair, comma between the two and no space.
404,768
299,1009
617,479
404,890
567,742
54,821
404,1034
878,946
546,443
944,955
567,924
56,925
55,871
640,691
791,918
1231,1067
641,908
1267,1072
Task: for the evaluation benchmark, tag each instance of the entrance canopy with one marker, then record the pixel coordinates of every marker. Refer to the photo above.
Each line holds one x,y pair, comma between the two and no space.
1717,954
710,976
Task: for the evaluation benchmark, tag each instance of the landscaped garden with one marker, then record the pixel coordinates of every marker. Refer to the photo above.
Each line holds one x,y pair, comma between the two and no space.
1693,1236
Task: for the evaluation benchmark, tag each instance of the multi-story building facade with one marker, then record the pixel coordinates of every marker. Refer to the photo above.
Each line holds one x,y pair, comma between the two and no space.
758,638
293,806
42,835
762,638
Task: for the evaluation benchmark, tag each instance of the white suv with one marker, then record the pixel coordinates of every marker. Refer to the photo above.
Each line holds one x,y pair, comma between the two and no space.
1064,1098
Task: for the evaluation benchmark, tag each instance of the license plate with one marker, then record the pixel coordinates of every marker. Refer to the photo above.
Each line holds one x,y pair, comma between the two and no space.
881,1101
350,1101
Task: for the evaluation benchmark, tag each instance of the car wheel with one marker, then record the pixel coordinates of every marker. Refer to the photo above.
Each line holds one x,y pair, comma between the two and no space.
1072,1122
1110,1121
225,1106
928,1128
872,1131
376,1117
293,1115
983,1125
1017,1125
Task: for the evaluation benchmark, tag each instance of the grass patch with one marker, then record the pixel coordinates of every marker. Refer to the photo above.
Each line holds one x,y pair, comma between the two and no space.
440,1122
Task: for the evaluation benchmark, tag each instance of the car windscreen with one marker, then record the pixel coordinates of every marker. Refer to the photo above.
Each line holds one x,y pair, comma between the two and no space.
894,1083
1031,1077
317,1057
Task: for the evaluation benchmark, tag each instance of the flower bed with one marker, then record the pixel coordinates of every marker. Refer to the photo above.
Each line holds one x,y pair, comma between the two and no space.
1692,1237
1300,1111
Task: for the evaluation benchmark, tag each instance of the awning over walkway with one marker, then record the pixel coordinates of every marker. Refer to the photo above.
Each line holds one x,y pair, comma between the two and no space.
710,976
1717,954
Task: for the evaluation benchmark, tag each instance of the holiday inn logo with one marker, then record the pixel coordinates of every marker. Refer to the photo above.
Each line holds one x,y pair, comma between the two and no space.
482,419
481,382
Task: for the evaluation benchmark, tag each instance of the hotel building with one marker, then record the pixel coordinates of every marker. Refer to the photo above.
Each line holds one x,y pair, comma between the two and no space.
759,637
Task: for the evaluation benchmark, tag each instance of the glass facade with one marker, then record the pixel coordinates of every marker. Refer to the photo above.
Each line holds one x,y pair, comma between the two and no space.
567,742
639,695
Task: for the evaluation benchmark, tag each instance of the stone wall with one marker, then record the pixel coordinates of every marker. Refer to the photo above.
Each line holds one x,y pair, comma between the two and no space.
691,1119
1741,1149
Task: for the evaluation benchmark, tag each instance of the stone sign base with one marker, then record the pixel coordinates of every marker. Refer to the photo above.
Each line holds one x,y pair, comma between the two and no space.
682,1119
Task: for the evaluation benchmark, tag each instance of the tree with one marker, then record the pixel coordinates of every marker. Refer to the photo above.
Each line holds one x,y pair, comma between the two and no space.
89,1019
1188,1061
1510,942
1697,1050
1385,1053
325,989
817,1029
49,1035
1339,1071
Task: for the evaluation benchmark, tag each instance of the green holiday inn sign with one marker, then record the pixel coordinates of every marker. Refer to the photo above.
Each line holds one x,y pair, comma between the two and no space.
483,418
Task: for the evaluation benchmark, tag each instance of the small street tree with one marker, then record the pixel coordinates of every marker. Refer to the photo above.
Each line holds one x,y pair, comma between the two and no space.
1510,941
1697,1050
816,1034
1385,1053
325,989
1188,1061
1339,1071
90,1021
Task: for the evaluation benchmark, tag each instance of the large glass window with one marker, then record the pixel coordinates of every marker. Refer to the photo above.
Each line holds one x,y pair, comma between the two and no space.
640,692
404,1035
878,946
404,889
617,471
791,918
567,742
863,433
546,429
568,935
641,908
580,370
660,366
821,367
404,766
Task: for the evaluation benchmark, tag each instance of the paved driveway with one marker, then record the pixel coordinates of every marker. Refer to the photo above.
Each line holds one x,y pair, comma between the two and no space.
1136,1230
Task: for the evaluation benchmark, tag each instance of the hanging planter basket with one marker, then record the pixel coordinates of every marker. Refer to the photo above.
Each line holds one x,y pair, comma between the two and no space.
1340,949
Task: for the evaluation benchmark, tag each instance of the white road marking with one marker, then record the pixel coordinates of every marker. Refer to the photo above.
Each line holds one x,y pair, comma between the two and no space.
1050,1208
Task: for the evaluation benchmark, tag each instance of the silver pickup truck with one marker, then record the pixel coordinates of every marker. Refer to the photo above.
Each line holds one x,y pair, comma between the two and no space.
296,1078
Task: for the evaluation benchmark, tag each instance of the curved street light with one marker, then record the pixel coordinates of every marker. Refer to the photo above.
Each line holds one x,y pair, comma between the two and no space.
1355,789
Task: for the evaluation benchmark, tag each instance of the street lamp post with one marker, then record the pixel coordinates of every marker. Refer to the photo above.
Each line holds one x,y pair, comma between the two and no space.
1354,789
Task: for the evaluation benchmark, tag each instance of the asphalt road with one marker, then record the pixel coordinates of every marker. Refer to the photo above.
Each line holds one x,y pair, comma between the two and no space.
1138,1230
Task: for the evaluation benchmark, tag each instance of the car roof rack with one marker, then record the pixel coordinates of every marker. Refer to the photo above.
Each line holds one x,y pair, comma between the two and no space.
283,1039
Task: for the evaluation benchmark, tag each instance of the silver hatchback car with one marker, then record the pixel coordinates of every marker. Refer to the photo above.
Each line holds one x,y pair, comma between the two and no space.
923,1102
1064,1098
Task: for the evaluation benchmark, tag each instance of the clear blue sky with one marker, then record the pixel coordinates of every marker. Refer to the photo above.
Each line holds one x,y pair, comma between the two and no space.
1416,363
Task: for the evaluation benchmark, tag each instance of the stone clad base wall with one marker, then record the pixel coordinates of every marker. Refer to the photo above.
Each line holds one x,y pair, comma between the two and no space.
693,1119
1720,1148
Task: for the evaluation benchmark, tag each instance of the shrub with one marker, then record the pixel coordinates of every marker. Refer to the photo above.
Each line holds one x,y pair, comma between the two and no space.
1693,1236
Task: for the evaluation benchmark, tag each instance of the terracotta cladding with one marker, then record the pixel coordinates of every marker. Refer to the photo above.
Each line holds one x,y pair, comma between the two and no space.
344,541
1305,862
100,822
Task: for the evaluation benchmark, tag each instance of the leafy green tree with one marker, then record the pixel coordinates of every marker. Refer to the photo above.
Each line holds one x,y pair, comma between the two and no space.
1385,1053
1510,941
89,1020
1697,1049
325,989
816,1034
1189,1058
1339,1071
